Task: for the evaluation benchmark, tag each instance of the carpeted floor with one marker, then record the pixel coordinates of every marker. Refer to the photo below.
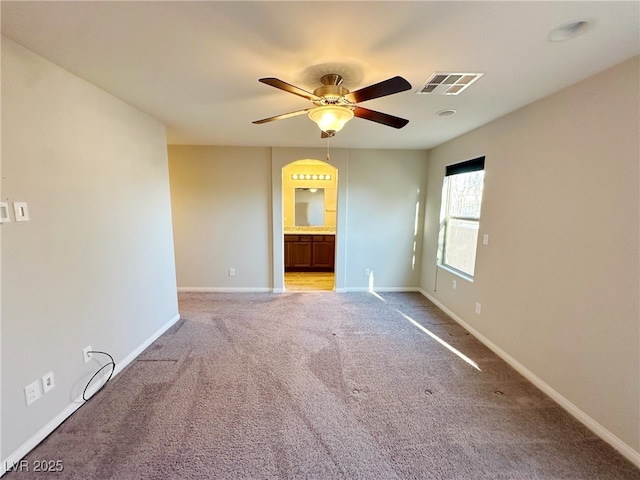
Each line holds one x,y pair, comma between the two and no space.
322,385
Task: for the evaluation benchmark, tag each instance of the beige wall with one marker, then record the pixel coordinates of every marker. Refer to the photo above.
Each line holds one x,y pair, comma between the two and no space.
386,190
223,218
558,282
94,265
221,202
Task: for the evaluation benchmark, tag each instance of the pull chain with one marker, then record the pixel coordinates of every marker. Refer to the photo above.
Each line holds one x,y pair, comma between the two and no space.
328,157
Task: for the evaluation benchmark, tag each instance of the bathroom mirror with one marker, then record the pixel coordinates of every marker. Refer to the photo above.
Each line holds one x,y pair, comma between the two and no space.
309,207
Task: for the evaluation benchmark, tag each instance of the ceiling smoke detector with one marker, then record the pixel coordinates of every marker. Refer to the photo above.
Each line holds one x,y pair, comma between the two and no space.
442,83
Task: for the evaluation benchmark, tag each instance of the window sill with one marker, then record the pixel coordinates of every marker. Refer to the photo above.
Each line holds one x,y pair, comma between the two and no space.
457,273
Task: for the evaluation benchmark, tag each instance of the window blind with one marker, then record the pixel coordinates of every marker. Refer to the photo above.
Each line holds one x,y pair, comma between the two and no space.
465,167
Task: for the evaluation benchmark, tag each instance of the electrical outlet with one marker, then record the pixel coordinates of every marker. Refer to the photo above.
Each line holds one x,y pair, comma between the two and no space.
86,353
232,272
367,272
454,284
478,308
32,392
485,239
48,382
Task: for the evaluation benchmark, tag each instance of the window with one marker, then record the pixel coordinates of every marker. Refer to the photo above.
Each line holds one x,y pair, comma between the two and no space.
460,216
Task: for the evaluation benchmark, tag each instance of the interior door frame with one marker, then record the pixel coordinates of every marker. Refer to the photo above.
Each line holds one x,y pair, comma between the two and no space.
280,157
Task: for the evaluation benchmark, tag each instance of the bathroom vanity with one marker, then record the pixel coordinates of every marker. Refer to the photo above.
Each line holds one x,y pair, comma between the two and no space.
309,252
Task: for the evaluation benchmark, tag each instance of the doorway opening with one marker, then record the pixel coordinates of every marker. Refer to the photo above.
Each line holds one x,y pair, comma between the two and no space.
309,199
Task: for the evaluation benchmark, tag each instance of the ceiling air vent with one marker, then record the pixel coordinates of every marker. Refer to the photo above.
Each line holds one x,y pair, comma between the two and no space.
442,83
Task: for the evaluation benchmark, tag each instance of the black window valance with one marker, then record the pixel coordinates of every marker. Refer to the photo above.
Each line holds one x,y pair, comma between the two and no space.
465,167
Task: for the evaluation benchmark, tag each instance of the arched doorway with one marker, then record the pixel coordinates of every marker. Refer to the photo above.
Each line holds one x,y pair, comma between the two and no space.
309,199
280,158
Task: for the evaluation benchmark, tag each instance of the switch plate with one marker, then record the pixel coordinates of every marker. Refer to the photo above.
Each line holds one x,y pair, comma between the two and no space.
367,272
454,284
86,356
232,272
478,308
48,382
4,212
32,392
21,211
485,239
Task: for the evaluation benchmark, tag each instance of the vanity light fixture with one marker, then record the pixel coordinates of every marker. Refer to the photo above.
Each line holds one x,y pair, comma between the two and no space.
309,176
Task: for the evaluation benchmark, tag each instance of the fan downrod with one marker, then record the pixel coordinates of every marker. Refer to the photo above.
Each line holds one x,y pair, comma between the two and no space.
331,79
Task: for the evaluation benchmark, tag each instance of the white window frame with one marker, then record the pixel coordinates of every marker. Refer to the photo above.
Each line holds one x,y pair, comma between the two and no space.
474,165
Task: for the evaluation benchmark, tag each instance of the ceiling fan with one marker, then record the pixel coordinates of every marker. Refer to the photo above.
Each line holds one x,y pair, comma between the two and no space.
334,105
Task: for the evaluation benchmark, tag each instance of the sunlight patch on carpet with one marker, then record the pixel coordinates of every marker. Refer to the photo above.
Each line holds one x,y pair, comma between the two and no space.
432,335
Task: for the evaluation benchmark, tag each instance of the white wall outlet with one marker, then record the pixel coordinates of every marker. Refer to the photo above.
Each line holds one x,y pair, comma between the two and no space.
32,392
485,239
86,353
478,308
48,382
367,272
232,272
21,211
454,284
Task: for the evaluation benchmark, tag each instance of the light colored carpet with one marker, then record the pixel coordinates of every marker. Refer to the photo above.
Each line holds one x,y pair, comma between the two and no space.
322,386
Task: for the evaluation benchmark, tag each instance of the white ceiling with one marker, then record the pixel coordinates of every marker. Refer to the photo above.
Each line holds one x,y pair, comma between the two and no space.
195,65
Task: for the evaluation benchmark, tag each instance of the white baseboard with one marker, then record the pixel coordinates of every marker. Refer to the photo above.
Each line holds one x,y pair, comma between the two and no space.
226,290
44,432
382,289
283,290
628,452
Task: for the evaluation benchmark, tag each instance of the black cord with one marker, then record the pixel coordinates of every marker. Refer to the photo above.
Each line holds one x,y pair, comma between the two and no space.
111,364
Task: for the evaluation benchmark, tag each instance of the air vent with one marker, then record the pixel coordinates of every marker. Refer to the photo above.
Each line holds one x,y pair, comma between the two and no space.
441,83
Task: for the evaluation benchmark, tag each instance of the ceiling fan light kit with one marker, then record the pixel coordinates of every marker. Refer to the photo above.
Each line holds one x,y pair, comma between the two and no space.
331,118
334,105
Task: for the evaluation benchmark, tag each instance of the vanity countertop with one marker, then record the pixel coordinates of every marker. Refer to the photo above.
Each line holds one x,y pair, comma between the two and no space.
311,230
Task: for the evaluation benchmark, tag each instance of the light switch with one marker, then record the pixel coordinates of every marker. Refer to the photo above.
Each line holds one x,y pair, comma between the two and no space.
4,212
21,211
485,239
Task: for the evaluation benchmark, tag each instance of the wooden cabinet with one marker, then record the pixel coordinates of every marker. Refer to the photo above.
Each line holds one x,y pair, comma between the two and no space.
323,251
310,253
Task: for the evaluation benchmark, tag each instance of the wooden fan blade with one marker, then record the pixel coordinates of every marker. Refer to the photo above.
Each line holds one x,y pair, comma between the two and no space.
378,117
280,117
382,89
274,82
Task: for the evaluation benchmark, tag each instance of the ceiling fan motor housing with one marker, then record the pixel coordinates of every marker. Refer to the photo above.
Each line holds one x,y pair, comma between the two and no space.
330,94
